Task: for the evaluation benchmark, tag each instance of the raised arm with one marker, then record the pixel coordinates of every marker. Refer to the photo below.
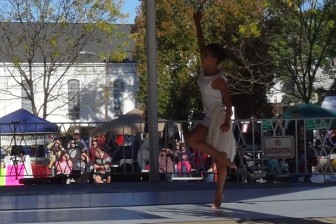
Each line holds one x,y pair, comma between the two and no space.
198,15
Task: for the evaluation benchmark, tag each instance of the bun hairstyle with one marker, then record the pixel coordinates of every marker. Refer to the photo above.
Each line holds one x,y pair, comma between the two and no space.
217,51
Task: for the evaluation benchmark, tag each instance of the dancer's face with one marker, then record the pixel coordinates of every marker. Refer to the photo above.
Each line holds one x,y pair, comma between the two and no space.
207,58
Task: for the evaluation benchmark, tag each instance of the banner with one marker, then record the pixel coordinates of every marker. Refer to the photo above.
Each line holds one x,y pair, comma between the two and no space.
26,140
16,168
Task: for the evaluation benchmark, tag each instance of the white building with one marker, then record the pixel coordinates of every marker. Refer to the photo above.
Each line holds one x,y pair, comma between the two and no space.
277,91
275,94
90,91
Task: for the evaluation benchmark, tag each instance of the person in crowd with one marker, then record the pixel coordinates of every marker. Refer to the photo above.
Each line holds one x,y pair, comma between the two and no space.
143,155
295,129
303,156
295,126
211,175
166,164
92,151
253,133
84,167
170,135
177,149
79,159
325,169
63,167
183,164
78,140
331,138
55,150
102,166
176,153
201,161
215,97
63,164
326,163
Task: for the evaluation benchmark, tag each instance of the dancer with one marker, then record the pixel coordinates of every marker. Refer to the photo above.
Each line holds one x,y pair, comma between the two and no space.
216,99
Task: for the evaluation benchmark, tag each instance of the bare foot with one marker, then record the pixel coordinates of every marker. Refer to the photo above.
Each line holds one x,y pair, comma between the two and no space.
218,201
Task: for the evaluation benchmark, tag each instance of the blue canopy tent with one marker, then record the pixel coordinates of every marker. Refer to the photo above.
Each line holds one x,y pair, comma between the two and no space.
26,129
23,139
24,122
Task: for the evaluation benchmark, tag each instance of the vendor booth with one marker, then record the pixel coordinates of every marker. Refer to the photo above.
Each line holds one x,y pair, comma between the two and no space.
316,117
23,137
123,135
131,123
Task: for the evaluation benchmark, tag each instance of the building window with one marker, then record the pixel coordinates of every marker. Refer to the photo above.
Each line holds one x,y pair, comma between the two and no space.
73,97
119,89
25,101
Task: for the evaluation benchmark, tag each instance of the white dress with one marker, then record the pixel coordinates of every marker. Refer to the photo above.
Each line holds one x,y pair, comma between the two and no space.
215,115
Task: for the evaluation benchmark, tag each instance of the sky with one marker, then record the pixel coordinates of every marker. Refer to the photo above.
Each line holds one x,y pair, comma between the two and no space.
130,7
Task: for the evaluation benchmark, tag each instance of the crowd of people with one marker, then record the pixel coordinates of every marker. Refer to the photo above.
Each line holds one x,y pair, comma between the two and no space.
78,163
176,159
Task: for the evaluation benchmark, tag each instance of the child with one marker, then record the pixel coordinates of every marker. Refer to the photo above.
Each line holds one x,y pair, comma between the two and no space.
63,165
215,94
102,165
183,164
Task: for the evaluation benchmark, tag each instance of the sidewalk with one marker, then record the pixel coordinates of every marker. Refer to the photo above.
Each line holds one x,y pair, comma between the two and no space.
177,202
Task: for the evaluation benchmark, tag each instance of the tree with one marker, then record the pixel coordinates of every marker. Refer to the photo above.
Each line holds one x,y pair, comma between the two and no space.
303,41
53,33
225,22
241,28
176,53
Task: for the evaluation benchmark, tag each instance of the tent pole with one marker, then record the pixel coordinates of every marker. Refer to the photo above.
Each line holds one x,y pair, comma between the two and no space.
152,91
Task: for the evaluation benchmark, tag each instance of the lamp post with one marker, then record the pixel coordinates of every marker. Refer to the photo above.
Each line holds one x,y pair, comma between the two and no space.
106,86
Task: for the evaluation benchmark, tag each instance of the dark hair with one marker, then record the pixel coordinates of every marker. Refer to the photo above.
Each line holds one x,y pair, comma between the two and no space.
63,153
217,51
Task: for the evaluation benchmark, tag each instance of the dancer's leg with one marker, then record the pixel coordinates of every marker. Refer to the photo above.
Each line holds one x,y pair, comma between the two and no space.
196,139
221,177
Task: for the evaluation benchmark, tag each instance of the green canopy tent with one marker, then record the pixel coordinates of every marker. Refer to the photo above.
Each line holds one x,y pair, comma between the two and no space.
321,118
311,111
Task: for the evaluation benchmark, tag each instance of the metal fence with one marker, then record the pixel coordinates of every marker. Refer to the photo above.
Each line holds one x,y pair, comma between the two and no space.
267,150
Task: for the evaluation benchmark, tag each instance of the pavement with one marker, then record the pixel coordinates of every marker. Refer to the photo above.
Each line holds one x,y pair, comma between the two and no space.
168,202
